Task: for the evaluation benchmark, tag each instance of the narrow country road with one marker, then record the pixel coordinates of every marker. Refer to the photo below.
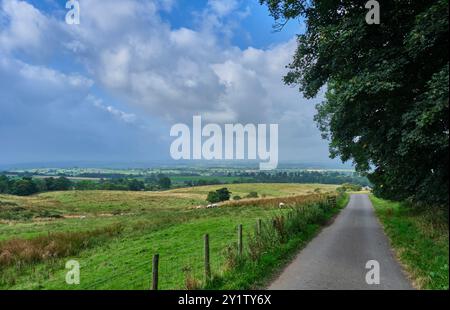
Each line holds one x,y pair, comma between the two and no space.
336,258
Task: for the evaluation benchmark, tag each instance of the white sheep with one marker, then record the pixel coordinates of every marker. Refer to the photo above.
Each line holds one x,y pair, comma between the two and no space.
281,205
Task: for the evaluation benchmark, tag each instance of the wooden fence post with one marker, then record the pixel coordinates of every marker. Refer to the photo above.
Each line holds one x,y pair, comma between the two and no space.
258,227
207,262
240,240
155,272
332,200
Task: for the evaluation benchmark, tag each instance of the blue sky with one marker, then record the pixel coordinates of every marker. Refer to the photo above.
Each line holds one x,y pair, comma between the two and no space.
110,88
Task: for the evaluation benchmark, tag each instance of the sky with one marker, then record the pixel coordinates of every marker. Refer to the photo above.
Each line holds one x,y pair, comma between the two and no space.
110,88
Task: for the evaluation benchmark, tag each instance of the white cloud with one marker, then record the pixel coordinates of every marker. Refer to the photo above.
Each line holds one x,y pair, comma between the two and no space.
223,7
25,27
172,74
123,116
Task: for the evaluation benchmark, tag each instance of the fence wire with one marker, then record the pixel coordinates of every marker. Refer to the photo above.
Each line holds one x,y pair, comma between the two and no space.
126,264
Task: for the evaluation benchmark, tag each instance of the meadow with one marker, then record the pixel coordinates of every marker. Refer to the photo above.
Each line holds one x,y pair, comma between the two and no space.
114,234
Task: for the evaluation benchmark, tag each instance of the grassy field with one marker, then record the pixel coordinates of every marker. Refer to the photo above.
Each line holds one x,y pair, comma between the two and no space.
420,240
113,235
263,189
179,180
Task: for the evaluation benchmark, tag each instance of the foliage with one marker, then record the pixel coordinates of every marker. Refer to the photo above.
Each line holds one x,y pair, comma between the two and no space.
219,195
164,182
349,187
27,186
212,197
386,105
23,187
322,177
252,195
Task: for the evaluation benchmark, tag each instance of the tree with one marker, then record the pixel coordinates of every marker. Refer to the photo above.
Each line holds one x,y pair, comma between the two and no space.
24,187
386,103
4,184
224,194
212,197
50,183
136,185
164,182
59,184
86,185
219,195
62,184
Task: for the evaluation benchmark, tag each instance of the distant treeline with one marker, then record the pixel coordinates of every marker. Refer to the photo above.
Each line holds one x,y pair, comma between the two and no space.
25,186
323,177
94,175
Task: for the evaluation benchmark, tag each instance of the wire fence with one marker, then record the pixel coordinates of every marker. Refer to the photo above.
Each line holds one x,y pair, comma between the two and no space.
188,262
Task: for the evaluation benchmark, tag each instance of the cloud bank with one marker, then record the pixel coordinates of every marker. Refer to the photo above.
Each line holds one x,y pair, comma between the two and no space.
111,87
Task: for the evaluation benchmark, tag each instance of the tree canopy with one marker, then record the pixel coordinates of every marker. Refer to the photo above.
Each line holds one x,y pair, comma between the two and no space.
386,88
219,195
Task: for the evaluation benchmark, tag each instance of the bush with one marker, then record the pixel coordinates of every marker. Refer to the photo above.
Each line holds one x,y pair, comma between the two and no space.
237,197
219,195
252,195
349,187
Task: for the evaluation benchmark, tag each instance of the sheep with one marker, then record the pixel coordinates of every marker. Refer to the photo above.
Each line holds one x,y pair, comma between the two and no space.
281,205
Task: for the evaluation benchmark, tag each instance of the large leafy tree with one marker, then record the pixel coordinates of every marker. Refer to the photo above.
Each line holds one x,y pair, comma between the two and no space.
386,103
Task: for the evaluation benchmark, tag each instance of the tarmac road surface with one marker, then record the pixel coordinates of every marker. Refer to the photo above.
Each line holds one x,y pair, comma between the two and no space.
336,259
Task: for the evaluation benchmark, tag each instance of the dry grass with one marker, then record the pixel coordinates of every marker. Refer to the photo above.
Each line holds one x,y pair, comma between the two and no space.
275,201
20,252
190,282
71,204
263,189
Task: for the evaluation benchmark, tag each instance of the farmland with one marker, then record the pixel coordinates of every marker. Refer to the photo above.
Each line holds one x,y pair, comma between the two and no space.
113,234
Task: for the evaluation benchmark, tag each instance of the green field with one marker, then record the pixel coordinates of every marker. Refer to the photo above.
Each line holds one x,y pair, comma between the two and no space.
180,180
113,234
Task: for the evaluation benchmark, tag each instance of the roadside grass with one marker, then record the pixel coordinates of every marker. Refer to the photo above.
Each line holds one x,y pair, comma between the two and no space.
272,254
420,240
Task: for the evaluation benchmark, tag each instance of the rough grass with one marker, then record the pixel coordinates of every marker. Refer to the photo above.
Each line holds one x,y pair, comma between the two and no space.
125,262
28,217
175,231
19,252
420,240
263,189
